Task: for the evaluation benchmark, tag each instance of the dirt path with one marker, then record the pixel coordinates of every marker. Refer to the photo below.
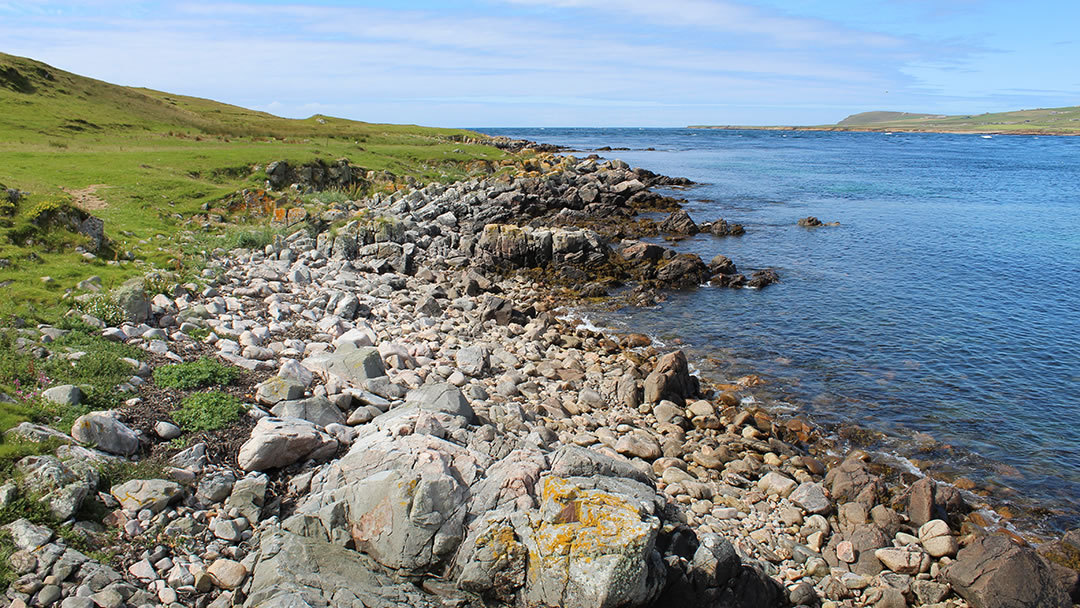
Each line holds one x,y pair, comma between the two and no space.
87,199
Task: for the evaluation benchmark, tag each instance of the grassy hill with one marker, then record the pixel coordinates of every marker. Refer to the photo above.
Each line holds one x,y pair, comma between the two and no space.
1046,121
147,161
1049,120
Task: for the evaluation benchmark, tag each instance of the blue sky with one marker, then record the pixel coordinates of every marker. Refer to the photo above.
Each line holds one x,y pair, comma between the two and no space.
571,62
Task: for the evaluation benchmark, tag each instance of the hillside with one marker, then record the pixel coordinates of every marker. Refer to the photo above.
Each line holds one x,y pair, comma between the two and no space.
1048,120
147,162
1045,121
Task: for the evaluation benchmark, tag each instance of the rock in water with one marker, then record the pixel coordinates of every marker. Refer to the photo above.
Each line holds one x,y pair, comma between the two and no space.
679,222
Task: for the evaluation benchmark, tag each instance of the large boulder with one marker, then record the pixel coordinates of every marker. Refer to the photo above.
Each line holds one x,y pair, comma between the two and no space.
352,366
593,544
441,397
993,572
318,410
515,246
279,442
400,500
670,380
679,222
293,571
683,270
152,494
104,431
132,298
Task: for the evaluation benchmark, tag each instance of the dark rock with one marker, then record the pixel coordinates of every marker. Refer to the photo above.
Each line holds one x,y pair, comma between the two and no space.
810,222
723,228
684,270
992,572
679,222
640,252
852,481
728,280
94,229
763,278
722,264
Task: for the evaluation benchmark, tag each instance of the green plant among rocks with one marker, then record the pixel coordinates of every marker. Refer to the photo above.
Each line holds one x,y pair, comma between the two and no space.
208,411
103,306
194,374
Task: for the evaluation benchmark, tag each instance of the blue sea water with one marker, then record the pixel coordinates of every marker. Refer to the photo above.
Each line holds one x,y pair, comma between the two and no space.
945,305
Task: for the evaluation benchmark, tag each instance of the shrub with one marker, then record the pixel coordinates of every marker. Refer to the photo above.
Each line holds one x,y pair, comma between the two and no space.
194,374
159,282
104,307
208,411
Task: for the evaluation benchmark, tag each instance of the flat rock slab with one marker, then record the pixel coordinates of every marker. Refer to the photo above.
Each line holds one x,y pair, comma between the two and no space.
153,494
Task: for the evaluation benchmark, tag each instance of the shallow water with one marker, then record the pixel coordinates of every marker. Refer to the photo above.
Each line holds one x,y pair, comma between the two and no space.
946,303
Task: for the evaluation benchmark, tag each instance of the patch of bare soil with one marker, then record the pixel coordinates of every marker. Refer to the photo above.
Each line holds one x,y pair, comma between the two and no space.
87,199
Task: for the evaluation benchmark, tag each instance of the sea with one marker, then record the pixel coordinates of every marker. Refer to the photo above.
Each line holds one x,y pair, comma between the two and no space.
941,315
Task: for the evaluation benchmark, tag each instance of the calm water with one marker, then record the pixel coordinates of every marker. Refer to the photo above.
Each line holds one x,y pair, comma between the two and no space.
947,303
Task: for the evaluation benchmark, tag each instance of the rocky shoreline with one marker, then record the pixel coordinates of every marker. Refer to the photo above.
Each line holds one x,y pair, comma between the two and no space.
428,431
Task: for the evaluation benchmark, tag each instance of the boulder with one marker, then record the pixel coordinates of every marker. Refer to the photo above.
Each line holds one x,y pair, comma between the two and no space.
763,278
938,540
679,222
472,360
441,397
65,394
318,410
277,442
812,498
399,500
593,544
132,298
684,270
670,380
721,264
351,366
277,389
293,571
993,572
105,432
810,222
723,228
152,494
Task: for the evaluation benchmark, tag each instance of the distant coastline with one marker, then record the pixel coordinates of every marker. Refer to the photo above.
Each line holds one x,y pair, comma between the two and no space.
874,129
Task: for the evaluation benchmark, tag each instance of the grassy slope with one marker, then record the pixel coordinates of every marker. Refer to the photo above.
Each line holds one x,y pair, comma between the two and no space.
157,157
1049,121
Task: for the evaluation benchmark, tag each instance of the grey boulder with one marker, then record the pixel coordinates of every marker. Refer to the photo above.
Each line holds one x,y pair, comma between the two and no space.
106,433
279,442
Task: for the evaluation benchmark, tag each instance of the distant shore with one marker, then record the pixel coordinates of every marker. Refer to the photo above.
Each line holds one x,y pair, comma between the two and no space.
875,129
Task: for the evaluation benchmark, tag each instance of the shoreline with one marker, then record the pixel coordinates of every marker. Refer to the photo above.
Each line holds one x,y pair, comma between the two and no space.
424,349
872,129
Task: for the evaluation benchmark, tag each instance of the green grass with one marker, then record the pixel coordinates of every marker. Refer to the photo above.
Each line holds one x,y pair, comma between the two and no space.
208,411
194,374
155,159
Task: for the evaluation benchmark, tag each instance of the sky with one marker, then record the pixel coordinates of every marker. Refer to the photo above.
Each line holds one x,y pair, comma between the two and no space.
476,63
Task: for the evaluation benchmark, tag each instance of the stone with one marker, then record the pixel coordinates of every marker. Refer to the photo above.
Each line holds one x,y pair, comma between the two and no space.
106,433
670,380
441,397
472,360
27,536
993,572
278,442
132,298
166,430
291,369
593,545
776,483
282,576
903,560
318,410
351,366
215,486
248,496
152,494
937,539
277,389
227,574
811,497
640,444
398,498
65,394
845,552
679,222
921,501
929,592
